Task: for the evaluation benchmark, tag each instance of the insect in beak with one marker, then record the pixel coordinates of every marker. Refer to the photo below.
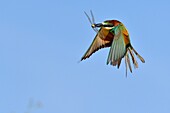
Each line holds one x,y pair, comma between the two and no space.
92,21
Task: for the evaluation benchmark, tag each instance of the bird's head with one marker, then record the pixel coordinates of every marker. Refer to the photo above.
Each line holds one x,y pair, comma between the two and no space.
107,23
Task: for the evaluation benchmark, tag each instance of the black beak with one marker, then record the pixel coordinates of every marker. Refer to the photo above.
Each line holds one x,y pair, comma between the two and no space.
97,25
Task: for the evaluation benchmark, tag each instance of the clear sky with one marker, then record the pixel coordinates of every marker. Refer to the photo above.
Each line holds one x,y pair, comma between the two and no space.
42,41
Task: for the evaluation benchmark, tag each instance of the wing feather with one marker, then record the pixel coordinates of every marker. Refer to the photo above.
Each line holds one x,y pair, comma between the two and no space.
100,41
118,47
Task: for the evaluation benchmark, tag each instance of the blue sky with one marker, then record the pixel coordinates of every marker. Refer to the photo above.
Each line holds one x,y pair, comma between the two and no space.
41,42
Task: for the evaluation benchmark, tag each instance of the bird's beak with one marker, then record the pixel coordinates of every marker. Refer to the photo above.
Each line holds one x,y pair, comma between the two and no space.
97,25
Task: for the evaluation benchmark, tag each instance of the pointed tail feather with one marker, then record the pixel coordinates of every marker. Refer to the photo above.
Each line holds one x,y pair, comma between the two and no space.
142,59
126,65
133,58
129,64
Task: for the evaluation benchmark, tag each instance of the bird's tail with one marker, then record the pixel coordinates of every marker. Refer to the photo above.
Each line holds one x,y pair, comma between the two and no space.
131,51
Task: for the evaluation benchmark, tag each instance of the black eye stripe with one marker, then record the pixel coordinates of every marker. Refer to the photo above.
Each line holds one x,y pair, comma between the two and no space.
107,25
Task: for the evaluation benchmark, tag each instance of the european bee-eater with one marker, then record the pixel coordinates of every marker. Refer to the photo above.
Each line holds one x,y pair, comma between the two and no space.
113,34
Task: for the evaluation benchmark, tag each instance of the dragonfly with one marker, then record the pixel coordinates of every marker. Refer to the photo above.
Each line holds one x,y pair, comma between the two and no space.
113,34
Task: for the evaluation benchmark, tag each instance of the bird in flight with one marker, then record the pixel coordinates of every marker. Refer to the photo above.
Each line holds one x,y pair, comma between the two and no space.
113,34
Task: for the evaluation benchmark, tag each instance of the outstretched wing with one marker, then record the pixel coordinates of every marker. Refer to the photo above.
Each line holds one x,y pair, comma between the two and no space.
102,39
118,47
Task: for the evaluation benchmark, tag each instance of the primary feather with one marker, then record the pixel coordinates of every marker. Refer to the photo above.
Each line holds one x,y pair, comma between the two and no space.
100,41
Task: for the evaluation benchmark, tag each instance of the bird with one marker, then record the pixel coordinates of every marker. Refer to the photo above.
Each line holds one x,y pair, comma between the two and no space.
113,34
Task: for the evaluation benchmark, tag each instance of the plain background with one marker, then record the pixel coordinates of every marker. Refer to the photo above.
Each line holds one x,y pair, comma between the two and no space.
42,42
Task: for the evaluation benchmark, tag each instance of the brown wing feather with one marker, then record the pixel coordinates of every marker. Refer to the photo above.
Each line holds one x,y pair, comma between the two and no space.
103,39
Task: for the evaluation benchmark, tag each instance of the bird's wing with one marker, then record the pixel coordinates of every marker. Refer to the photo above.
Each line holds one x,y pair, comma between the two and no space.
118,47
100,41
